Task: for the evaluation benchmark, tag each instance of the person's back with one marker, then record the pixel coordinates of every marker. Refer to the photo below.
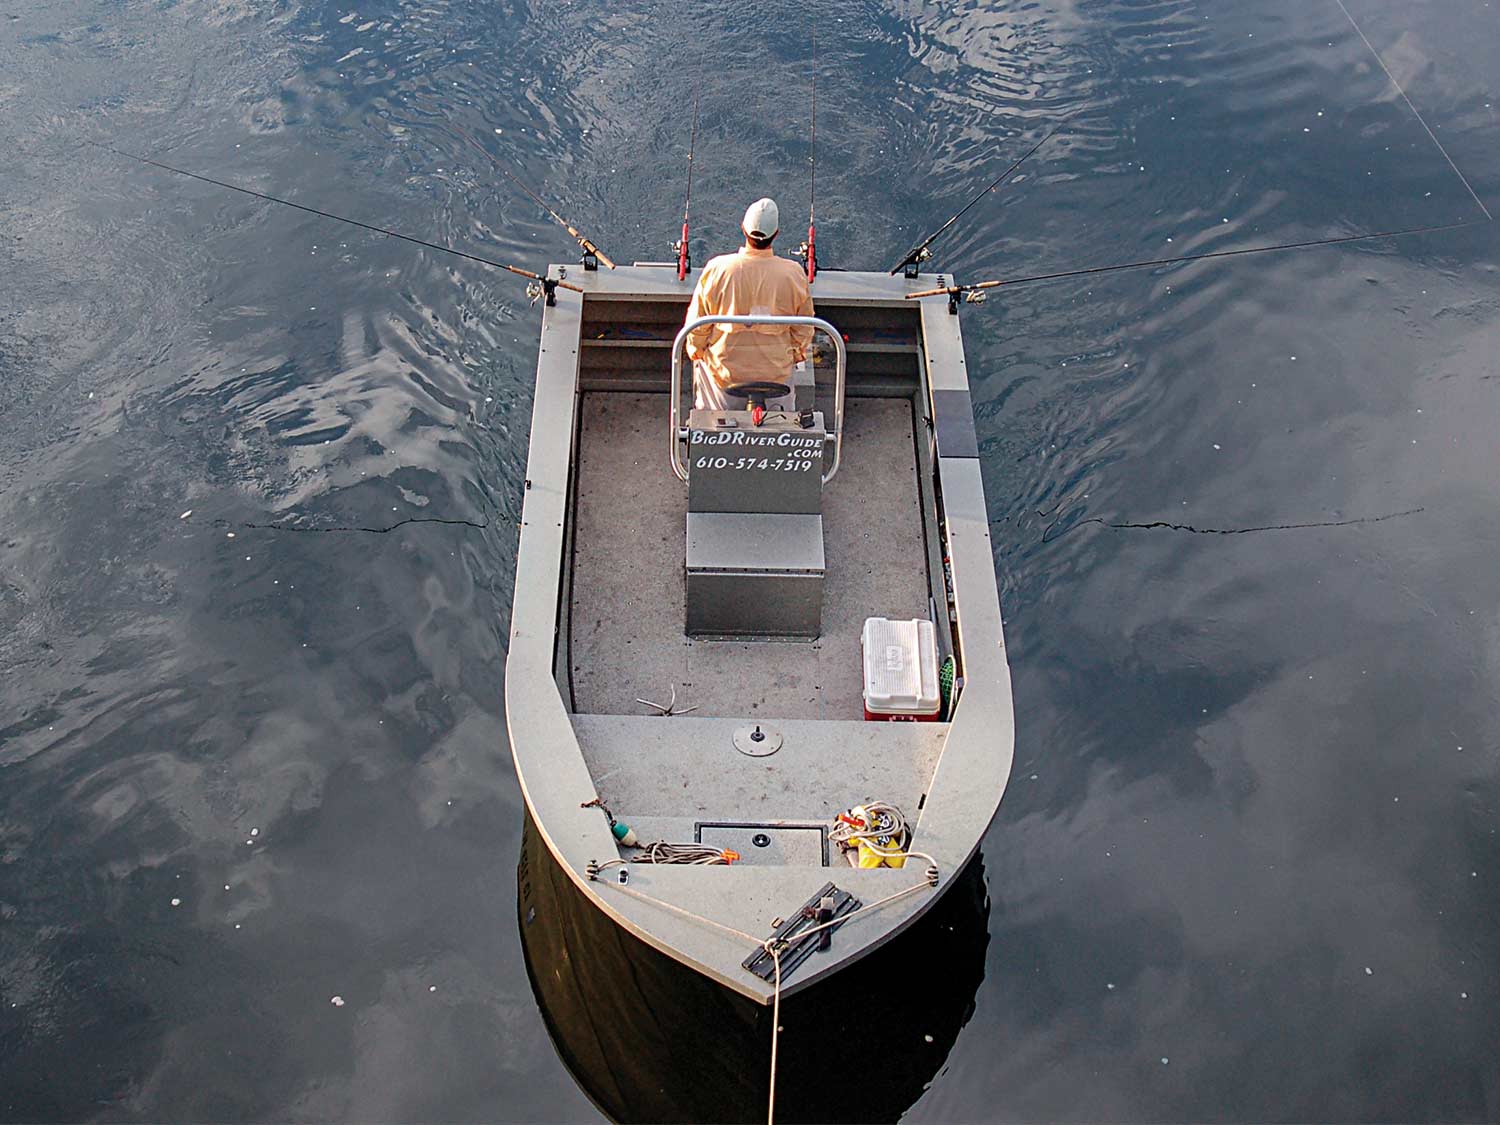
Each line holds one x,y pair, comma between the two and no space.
751,282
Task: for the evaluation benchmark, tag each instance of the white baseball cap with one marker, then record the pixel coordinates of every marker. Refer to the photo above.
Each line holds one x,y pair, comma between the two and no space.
762,219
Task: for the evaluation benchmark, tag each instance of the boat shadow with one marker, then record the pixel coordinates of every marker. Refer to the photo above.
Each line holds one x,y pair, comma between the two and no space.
648,1039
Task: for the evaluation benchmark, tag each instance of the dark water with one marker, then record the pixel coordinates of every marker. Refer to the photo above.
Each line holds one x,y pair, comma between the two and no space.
1247,866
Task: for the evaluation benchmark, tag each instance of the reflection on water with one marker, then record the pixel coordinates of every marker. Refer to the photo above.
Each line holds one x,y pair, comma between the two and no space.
650,1040
1252,829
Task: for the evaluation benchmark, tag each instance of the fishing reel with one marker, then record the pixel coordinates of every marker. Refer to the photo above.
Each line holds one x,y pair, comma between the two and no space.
970,296
542,289
913,264
809,255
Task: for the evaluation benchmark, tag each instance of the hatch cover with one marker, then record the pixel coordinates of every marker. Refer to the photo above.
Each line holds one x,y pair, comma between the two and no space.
768,845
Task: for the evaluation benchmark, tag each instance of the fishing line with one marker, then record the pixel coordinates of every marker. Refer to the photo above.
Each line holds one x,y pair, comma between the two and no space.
329,215
1415,113
978,285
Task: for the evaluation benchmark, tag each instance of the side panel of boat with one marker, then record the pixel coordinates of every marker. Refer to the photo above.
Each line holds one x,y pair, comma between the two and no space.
975,767
548,760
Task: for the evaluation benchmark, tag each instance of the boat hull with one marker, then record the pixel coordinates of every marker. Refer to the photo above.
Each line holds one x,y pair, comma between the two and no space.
596,631
649,1039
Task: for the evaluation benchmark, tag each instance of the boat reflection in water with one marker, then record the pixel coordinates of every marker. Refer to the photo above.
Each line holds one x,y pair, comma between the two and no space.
649,1039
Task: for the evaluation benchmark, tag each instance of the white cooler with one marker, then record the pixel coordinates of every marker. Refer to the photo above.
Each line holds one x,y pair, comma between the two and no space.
901,670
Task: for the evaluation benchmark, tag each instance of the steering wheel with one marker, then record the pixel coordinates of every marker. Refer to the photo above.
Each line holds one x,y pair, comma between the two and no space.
756,393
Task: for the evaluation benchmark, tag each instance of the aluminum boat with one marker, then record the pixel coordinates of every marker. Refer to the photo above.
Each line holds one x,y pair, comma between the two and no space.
690,654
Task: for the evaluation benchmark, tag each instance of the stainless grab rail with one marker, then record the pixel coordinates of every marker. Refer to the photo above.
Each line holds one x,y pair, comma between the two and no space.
817,323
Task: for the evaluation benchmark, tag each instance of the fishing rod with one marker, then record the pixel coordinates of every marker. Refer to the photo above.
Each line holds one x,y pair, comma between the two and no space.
684,257
547,284
974,291
920,252
810,247
590,251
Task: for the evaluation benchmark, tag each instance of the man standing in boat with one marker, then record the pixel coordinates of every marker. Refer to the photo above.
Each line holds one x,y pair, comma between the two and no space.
753,281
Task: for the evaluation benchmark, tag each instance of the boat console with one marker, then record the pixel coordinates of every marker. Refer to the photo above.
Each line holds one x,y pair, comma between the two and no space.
754,558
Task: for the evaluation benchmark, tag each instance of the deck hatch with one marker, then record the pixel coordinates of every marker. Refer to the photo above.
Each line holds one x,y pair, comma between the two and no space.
754,575
761,844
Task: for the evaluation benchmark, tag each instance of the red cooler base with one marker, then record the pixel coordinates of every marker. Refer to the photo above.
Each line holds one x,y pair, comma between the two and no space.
879,717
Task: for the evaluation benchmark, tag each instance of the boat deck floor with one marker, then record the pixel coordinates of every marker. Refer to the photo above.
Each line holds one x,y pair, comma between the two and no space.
626,639
665,779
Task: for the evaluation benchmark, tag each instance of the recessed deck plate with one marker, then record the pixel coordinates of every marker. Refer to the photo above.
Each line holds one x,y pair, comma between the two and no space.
757,740
770,845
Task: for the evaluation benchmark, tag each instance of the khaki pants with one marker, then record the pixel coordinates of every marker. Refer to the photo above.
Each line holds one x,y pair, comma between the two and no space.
708,395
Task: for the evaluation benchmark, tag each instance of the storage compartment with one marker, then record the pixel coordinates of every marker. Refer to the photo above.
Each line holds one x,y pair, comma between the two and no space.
901,670
755,559
754,575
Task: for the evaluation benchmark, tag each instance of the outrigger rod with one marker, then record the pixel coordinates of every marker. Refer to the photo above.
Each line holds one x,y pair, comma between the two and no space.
920,252
974,292
541,286
592,255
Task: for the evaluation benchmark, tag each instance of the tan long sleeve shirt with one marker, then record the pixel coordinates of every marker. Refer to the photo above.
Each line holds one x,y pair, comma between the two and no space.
750,283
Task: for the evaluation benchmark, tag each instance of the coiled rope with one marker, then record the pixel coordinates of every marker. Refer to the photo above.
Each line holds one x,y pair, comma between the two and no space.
887,822
662,851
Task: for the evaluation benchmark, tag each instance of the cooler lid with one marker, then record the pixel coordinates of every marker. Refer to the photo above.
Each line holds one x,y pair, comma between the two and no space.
901,666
